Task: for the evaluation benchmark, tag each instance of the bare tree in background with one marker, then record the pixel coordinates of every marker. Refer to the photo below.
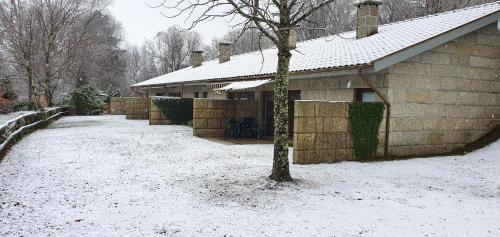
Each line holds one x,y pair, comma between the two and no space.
18,29
172,48
139,65
436,6
245,40
338,16
275,19
63,25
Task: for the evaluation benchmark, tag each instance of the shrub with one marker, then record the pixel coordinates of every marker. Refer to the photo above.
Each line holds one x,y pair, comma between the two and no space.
85,100
365,125
10,95
6,106
24,106
8,91
111,92
178,110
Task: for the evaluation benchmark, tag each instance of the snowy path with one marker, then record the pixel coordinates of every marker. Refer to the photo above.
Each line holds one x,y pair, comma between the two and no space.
105,176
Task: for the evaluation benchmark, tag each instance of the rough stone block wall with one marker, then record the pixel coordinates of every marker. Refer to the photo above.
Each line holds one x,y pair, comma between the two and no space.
322,132
137,108
337,88
446,97
156,117
209,115
117,106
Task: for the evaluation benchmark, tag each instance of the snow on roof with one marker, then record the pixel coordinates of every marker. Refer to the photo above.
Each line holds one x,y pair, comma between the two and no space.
332,52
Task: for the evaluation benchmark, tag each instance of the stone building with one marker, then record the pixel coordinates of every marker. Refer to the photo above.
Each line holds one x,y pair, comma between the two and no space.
439,74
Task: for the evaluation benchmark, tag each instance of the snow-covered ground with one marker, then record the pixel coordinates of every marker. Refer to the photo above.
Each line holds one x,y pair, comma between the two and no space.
106,176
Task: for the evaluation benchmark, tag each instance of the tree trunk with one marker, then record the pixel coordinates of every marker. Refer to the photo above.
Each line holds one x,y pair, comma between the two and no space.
30,88
281,171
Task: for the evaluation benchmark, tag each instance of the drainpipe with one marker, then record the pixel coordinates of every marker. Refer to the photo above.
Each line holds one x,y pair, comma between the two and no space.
388,112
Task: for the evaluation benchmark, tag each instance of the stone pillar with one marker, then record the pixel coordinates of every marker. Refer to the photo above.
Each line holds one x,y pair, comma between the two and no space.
367,18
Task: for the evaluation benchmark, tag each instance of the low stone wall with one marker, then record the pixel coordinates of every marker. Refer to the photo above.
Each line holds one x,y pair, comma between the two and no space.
137,108
14,130
209,115
156,117
117,105
322,132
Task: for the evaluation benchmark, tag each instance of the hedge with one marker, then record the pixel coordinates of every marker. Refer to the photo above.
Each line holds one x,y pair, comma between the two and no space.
178,110
365,125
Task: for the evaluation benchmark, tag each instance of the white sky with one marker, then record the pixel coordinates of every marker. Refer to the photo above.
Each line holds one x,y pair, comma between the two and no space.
139,21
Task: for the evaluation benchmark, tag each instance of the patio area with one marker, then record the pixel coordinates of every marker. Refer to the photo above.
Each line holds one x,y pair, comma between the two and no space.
102,175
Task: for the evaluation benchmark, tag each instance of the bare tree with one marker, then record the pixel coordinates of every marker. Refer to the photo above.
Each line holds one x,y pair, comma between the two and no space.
274,19
19,38
172,48
244,40
338,16
62,26
427,7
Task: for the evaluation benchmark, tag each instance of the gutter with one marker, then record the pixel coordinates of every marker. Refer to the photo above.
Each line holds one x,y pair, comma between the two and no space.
298,75
388,111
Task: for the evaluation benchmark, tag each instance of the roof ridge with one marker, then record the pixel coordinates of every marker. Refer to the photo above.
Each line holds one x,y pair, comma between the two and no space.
408,20
388,24
444,13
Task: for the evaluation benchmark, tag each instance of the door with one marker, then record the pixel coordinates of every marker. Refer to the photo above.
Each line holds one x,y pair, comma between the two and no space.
269,113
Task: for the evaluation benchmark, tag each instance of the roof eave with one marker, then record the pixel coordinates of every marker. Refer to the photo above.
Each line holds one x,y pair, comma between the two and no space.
414,50
297,75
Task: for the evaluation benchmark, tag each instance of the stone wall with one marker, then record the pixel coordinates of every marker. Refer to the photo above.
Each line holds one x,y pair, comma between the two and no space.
137,108
156,117
340,88
322,132
446,97
117,106
209,115
16,129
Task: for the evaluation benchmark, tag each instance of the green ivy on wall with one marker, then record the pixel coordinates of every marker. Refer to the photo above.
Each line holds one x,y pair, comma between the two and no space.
178,110
365,125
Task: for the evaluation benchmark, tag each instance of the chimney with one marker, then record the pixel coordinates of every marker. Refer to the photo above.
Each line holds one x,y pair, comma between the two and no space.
292,39
367,18
224,52
196,58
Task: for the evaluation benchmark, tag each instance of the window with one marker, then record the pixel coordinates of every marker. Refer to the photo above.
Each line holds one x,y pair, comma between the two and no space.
365,95
204,95
160,94
197,95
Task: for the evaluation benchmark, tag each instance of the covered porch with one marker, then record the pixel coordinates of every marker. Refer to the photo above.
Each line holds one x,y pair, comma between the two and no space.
246,113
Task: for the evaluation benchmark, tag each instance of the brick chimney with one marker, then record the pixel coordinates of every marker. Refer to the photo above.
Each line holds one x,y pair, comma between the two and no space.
224,52
196,58
367,17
